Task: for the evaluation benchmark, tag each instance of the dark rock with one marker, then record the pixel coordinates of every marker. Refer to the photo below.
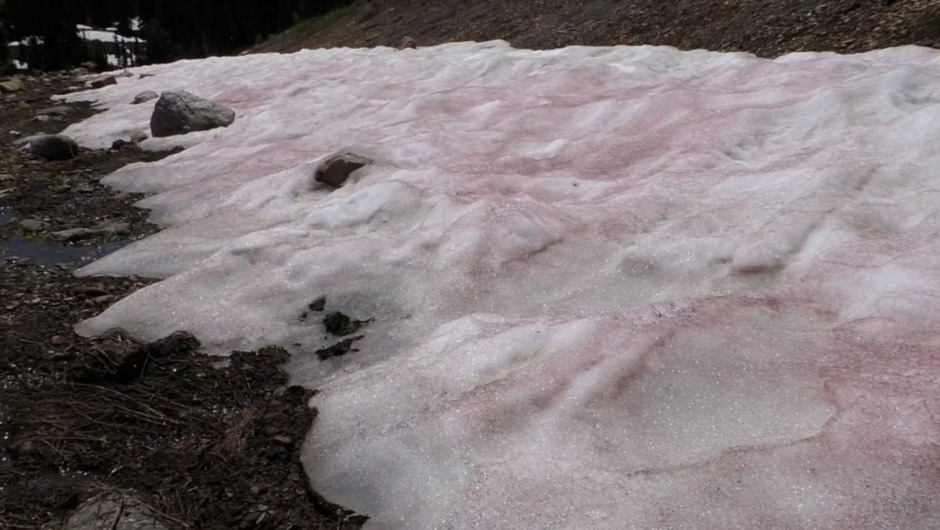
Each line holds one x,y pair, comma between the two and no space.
180,343
182,112
144,97
318,304
335,170
118,144
107,81
408,42
53,146
339,324
340,348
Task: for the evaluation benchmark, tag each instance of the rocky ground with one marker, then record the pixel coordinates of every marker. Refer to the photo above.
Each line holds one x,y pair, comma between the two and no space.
765,27
108,432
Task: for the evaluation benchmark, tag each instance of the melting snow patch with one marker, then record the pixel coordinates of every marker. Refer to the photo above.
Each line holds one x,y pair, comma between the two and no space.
603,287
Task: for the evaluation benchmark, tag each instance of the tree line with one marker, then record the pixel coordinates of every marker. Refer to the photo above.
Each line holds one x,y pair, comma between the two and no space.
170,29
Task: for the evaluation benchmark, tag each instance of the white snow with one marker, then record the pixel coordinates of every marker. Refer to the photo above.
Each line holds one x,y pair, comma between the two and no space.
612,287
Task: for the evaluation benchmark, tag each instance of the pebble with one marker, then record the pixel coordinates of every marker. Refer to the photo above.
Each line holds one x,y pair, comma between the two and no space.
283,439
57,340
104,299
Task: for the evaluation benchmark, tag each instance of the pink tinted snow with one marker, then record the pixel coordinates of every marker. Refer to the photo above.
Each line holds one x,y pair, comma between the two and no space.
612,287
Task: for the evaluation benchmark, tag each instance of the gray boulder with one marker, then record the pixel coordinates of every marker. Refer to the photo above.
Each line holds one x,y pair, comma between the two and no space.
181,113
53,146
335,170
144,96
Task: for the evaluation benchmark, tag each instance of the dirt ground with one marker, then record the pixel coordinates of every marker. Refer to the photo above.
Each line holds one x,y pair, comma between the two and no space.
764,27
171,437
178,440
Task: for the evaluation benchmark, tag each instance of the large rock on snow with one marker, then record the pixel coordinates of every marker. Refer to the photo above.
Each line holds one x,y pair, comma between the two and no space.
181,112
104,81
53,146
335,170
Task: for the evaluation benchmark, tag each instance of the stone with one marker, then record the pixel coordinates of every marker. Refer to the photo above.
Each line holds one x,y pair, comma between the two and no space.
72,234
89,65
408,42
113,511
57,340
80,71
138,136
103,82
53,146
181,112
144,96
32,225
42,118
114,227
283,439
58,110
335,170
11,85
118,144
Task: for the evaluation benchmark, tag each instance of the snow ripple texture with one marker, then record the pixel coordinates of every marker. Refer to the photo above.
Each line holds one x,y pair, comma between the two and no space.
612,287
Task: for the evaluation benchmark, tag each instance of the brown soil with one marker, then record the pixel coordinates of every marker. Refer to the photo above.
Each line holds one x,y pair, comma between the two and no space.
764,27
195,444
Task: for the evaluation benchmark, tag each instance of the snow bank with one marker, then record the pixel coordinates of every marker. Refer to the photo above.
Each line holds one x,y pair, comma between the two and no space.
612,287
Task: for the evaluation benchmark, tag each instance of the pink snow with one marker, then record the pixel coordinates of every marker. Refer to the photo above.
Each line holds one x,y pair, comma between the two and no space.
612,287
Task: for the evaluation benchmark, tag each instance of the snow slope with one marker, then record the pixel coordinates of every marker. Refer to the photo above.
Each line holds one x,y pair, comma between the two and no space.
611,287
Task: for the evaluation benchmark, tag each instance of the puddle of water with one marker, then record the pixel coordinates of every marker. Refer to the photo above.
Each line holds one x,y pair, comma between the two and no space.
43,252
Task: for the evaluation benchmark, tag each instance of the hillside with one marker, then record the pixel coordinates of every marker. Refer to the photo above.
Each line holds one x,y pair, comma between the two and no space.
767,28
